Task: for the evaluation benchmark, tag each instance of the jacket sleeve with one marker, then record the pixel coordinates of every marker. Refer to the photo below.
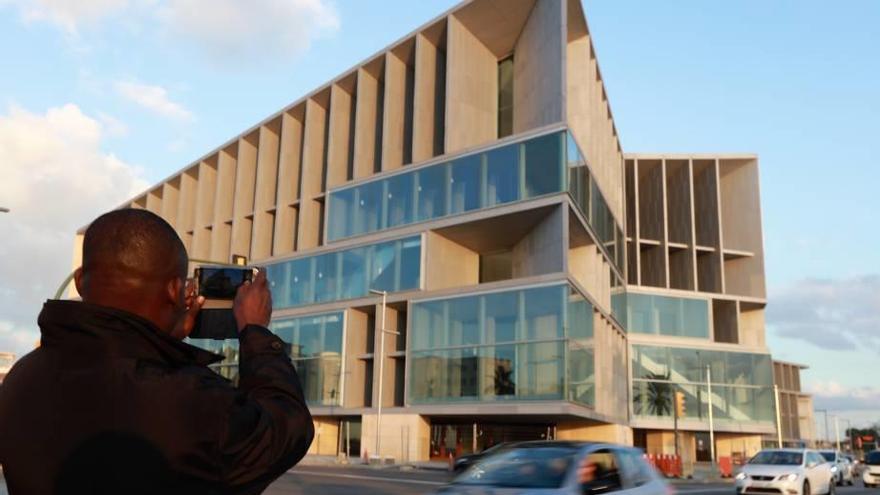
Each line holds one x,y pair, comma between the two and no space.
268,428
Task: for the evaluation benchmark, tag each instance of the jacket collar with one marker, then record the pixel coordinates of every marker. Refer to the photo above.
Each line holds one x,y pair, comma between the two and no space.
89,328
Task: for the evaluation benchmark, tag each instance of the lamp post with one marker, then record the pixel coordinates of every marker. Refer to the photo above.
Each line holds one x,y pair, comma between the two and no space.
825,412
711,415
837,431
381,357
778,416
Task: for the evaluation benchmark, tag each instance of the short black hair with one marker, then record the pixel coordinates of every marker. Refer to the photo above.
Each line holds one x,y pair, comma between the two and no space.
134,242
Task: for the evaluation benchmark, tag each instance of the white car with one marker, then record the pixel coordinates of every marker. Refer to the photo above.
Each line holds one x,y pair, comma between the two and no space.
786,472
871,469
840,465
560,468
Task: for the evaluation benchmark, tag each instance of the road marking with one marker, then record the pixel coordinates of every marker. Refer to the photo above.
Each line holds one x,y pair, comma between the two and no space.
370,478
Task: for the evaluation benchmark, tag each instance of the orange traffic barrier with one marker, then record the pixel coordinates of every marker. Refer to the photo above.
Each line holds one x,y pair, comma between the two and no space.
725,466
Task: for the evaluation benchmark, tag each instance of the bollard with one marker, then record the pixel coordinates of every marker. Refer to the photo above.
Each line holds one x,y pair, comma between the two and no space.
451,467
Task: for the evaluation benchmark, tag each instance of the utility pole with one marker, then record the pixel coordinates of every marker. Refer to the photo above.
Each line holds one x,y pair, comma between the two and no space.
711,415
778,417
381,357
837,431
825,412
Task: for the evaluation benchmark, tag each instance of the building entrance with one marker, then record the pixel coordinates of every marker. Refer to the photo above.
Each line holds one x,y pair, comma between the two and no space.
465,438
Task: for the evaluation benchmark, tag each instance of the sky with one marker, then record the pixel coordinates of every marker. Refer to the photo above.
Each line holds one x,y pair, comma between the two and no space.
100,98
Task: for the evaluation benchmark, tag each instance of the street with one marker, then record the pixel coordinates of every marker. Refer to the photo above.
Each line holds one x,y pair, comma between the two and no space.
364,481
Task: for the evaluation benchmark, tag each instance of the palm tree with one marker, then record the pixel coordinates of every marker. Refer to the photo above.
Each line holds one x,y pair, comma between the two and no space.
656,399
503,383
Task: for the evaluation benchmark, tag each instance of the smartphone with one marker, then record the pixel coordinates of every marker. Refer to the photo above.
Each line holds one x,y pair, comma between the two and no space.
215,324
221,282
218,284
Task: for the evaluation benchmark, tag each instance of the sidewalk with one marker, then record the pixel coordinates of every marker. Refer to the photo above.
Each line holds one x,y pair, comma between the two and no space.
333,461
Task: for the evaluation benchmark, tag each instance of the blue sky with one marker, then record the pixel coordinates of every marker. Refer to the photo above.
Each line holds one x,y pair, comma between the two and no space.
132,90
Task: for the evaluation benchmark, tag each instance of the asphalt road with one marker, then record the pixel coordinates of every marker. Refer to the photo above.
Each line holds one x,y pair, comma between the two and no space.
364,481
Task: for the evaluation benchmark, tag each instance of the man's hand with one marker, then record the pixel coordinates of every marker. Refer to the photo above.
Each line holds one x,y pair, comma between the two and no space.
253,303
187,322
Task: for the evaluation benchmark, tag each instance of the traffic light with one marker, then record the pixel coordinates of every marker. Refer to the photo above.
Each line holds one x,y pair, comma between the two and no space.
680,405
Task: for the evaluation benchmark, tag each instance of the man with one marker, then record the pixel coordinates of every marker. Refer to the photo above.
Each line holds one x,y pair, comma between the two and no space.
114,402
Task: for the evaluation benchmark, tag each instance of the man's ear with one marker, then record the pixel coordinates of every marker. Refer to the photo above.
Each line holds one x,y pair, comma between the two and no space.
78,281
175,291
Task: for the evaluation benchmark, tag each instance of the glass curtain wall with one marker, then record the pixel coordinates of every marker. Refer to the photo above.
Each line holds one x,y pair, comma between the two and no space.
314,344
584,190
348,274
663,315
509,173
315,347
742,383
509,345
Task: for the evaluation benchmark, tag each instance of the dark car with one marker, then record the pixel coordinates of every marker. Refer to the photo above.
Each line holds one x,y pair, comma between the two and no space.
560,468
465,461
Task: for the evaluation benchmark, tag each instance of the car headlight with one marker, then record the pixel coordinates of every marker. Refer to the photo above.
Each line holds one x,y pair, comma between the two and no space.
741,476
833,469
788,477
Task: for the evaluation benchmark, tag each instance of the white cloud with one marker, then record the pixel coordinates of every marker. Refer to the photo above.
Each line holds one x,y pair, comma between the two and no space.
233,33
114,126
839,314
69,15
859,404
243,32
154,99
56,178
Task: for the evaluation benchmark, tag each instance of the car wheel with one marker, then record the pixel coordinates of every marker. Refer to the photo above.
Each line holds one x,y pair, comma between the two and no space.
806,490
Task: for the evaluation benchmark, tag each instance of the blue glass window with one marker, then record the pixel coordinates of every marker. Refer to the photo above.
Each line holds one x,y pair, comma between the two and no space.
465,184
347,274
544,163
399,200
431,189
502,175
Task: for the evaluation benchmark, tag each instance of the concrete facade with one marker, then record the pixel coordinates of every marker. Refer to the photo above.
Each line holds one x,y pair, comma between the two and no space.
532,279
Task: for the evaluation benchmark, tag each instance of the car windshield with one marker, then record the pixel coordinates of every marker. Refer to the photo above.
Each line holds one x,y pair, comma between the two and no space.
543,467
873,458
829,456
778,458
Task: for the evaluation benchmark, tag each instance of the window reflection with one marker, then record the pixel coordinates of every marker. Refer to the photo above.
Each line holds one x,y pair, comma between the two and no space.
390,266
314,344
741,389
508,345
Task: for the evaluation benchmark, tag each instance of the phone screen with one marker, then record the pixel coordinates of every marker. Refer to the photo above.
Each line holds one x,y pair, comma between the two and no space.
222,282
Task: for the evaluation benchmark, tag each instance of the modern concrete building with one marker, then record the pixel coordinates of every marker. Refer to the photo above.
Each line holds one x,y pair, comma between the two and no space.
795,407
540,283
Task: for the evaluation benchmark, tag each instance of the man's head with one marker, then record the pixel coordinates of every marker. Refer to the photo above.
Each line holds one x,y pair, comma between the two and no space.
133,260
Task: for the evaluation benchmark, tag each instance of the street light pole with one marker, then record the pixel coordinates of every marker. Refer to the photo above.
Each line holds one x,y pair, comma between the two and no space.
837,431
381,357
711,415
778,416
825,412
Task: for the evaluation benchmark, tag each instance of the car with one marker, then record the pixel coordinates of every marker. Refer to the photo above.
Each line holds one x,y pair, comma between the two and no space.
840,466
871,469
787,472
465,461
561,468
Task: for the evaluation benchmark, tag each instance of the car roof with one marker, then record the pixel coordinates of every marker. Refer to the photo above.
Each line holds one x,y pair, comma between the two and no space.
788,449
552,443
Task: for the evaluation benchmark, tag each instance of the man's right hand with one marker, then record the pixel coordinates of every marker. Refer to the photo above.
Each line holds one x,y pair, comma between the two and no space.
253,303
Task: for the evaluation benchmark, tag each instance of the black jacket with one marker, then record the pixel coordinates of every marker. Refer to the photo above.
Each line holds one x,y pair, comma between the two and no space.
108,404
